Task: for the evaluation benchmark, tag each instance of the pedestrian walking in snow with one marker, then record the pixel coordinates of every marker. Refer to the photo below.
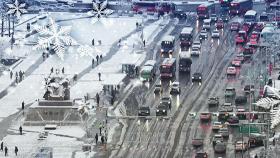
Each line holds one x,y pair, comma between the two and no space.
11,74
102,139
6,151
100,128
92,42
120,40
100,57
75,77
92,63
256,156
99,76
22,105
23,75
16,150
96,138
16,79
52,70
136,70
2,146
62,70
97,99
16,74
144,43
20,76
97,58
20,130
137,24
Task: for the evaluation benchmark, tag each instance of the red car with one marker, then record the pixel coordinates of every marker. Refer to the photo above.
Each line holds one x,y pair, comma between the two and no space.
205,116
241,37
248,50
231,70
254,39
220,24
235,26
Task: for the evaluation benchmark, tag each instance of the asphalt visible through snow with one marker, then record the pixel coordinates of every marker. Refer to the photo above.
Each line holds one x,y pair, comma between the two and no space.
172,136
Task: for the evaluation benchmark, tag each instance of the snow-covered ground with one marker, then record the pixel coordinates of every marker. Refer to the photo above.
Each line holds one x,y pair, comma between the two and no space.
108,31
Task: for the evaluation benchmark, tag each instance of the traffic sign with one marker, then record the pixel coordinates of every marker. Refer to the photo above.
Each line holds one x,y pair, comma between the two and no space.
245,129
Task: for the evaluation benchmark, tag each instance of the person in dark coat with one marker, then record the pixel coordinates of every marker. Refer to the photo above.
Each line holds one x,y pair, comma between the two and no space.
256,156
97,58
6,151
97,99
11,74
22,105
16,150
92,42
2,146
100,57
99,76
102,139
96,138
62,70
144,43
52,70
92,63
20,130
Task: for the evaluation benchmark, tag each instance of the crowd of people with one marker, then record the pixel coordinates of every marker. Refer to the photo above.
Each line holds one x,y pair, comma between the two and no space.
19,76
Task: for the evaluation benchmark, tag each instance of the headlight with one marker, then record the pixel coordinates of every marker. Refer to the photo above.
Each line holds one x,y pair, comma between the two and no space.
147,112
199,77
157,110
161,50
192,77
163,110
169,102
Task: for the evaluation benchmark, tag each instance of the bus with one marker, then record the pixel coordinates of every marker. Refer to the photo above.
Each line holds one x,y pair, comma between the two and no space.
185,61
181,8
274,6
250,17
152,6
186,37
167,45
240,7
168,68
148,71
205,10
225,6
267,33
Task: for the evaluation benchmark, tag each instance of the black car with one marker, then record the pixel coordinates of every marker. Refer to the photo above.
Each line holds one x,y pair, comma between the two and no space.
201,155
213,101
240,100
220,147
162,109
197,77
166,101
225,18
144,111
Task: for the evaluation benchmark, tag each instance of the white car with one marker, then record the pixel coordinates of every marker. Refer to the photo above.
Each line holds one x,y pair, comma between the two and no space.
195,51
175,88
203,34
215,34
196,44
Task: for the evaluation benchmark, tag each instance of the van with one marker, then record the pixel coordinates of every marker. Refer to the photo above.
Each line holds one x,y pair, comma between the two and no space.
206,24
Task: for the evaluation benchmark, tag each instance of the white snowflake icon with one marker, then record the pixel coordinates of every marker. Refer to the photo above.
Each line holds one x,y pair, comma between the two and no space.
16,8
55,37
100,9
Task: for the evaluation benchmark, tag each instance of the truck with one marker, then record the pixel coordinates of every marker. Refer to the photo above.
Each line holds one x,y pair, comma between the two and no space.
148,71
168,68
185,61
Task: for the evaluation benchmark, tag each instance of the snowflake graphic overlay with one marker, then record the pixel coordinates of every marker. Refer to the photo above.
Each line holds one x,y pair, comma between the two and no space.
16,8
100,8
55,37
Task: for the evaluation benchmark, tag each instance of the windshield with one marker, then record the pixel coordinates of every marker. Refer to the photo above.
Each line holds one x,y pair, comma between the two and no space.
164,69
202,10
167,44
184,62
185,36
